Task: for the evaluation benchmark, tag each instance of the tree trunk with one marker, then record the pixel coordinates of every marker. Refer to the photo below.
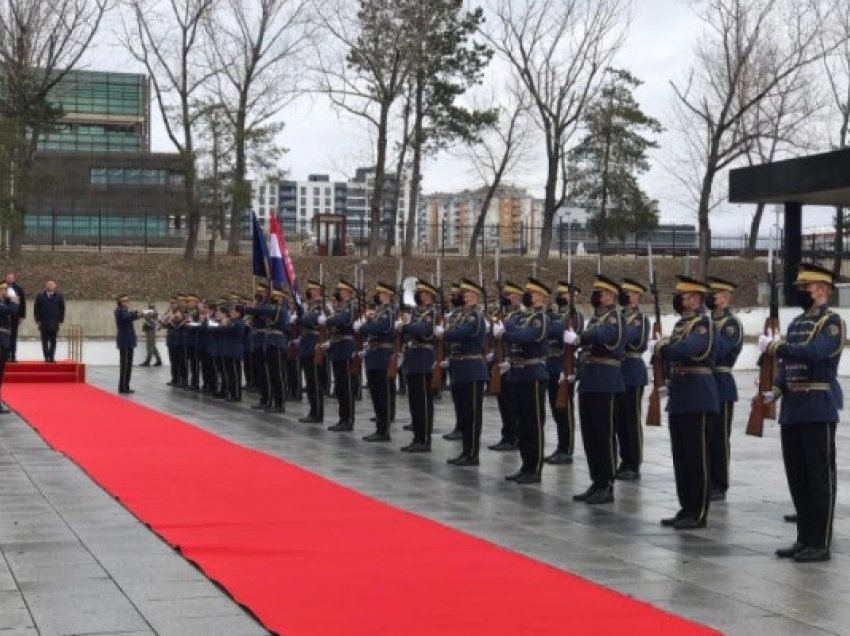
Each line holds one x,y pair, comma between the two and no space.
376,204
549,202
193,216
755,225
416,172
703,223
839,241
239,186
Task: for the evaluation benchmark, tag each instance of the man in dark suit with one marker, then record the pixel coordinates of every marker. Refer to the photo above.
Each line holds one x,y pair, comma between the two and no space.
49,312
125,339
11,283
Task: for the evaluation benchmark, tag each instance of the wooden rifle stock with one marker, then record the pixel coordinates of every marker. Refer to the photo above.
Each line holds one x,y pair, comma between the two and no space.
653,413
319,356
355,363
562,400
494,386
759,411
392,369
439,357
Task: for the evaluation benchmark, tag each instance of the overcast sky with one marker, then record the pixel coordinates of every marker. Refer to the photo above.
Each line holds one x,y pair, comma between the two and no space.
657,50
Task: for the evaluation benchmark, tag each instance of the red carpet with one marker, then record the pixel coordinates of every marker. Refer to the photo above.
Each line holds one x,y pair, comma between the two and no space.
308,556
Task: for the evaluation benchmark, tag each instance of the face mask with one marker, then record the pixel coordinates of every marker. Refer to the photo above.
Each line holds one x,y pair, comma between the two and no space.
457,300
561,301
376,299
337,296
678,304
623,299
258,297
526,299
504,303
805,300
595,298
709,302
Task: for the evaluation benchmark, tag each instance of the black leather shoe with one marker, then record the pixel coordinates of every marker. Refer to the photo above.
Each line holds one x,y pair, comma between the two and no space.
377,437
127,391
311,419
3,410
515,476
408,427
262,406
467,461
158,364
689,523
232,399
275,409
812,555
668,522
601,496
504,445
583,496
527,478
628,474
717,495
790,518
559,458
417,447
453,436
455,460
145,364
341,427
790,551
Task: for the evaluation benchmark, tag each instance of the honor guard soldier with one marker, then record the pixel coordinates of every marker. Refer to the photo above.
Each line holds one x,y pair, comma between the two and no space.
379,329
276,313
635,378
689,355
456,304
418,337
340,348
600,380
190,342
308,341
9,307
508,404
180,330
167,322
807,383
232,334
259,326
125,340
149,327
559,320
527,339
465,342
730,340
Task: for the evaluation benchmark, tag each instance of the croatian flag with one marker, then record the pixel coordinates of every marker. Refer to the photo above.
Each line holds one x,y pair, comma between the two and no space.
260,260
281,271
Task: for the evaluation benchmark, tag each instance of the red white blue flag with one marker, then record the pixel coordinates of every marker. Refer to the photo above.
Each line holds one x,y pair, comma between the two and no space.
281,271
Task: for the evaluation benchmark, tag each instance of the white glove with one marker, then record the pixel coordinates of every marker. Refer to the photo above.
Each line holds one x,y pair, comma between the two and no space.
358,324
322,320
297,341
498,330
444,364
571,378
768,397
570,337
651,344
439,330
487,324
399,324
504,367
663,392
764,342
325,345
490,357
10,293
400,359
194,324
361,354
212,323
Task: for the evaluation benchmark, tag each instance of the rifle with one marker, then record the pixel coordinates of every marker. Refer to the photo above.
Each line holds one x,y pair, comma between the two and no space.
653,413
398,343
562,400
485,351
294,334
440,353
319,355
759,411
494,386
354,364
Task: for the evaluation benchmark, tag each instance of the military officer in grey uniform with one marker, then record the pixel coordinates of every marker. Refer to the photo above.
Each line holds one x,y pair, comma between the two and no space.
149,327
807,383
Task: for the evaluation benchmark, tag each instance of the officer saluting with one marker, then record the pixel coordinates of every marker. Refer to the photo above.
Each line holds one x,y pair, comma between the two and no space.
125,340
689,354
465,342
527,337
600,385
808,366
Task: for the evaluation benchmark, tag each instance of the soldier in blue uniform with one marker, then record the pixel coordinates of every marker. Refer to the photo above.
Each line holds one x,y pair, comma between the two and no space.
465,343
340,347
600,386
125,340
167,322
527,339
379,329
807,379
689,354
635,378
258,327
559,320
276,315
9,308
308,341
730,339
180,330
232,338
451,317
418,336
507,401
190,343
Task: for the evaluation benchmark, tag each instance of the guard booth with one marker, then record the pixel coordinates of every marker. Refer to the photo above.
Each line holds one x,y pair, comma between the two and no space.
329,230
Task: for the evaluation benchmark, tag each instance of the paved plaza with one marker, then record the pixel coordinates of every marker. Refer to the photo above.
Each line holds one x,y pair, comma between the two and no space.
76,562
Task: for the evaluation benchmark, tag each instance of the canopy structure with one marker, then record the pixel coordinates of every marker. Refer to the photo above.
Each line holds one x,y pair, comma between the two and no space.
822,179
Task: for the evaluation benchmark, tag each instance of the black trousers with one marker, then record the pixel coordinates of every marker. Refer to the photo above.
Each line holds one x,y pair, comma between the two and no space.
232,368
172,362
469,400
293,376
809,454
277,377
565,419
629,430
344,391
689,441
192,356
531,402
315,388
209,366
125,368
421,402
248,367
4,357
719,432
596,414
48,343
456,408
182,367
13,340
261,374
509,411
393,387
381,394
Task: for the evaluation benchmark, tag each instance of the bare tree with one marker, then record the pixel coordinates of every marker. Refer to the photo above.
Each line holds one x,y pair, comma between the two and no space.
746,52
168,39
41,41
364,72
558,50
258,48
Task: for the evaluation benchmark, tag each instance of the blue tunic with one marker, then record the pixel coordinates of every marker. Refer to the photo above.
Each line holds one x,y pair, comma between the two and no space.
602,343
637,336
730,340
309,322
418,337
8,313
526,335
341,332
380,333
465,346
125,336
689,356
